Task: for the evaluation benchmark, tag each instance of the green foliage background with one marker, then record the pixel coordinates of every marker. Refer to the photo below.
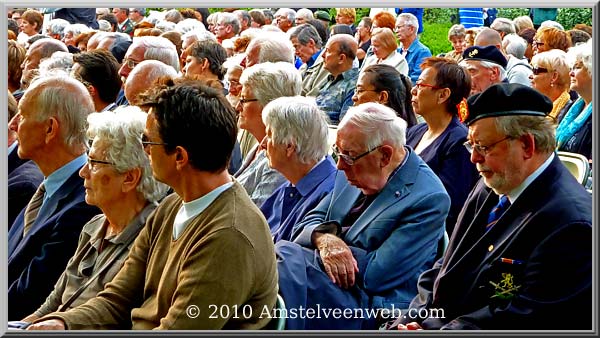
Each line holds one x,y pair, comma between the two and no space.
437,22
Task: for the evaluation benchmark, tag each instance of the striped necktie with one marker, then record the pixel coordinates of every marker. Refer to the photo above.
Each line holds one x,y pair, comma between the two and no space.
33,208
497,211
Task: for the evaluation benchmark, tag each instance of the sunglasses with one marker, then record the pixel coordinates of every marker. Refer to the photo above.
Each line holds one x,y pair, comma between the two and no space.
539,70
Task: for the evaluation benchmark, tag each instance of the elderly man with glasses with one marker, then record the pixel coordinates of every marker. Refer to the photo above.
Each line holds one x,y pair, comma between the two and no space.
521,251
374,233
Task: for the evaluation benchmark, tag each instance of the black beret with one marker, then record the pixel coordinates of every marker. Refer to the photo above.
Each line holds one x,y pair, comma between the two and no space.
507,99
119,49
487,53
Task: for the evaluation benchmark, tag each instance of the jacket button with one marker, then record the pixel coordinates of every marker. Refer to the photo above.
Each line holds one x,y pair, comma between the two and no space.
490,248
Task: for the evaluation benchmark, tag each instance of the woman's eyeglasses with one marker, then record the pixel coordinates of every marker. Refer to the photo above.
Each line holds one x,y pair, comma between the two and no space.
539,70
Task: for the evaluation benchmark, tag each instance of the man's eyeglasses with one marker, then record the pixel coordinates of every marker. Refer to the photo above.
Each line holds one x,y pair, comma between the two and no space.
539,70
130,63
351,160
420,85
482,150
146,143
244,101
359,91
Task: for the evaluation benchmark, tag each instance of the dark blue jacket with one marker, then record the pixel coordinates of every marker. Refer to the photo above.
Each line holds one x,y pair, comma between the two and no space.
37,260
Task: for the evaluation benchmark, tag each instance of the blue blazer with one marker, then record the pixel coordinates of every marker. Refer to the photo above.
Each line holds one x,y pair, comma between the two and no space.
24,177
36,261
398,233
546,235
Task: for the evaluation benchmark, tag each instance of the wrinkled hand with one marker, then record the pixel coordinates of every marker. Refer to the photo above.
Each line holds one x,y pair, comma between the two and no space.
409,327
50,324
340,265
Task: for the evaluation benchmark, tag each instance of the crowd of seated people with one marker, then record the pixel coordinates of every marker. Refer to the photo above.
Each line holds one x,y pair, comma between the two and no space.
174,169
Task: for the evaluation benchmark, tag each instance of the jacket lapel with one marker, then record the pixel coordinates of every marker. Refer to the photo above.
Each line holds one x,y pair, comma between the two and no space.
395,190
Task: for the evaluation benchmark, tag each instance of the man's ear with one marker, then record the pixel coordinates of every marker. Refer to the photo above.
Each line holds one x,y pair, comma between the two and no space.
52,129
181,157
528,145
386,154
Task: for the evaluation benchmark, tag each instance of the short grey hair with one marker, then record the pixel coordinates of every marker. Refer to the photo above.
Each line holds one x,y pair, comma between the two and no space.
67,100
274,47
158,48
304,33
410,19
305,13
542,129
76,29
378,123
121,130
57,26
230,19
288,12
198,35
189,25
58,60
268,81
503,25
552,23
165,25
299,121
514,45
488,65
583,53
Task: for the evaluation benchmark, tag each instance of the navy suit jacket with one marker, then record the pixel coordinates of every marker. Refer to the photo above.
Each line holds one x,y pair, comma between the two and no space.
24,177
547,233
398,232
36,261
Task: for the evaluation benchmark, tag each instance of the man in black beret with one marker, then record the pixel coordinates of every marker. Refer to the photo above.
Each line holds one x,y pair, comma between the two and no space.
521,251
487,66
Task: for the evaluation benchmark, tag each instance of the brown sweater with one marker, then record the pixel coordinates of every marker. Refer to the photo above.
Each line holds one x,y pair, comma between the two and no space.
223,261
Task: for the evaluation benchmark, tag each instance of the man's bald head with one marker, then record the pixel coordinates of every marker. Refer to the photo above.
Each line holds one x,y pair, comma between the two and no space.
143,75
488,37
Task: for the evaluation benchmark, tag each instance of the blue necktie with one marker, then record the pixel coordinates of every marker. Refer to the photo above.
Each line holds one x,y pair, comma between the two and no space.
497,211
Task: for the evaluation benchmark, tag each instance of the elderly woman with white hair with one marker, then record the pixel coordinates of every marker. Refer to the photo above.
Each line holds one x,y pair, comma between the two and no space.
574,133
117,179
296,146
261,84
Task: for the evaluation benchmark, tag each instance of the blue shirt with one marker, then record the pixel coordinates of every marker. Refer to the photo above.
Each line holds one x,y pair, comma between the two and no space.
471,17
313,58
415,54
60,176
289,204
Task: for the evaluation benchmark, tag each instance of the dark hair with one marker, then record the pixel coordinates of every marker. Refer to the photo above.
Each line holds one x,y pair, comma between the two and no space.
198,118
321,29
100,68
112,19
205,13
452,76
13,26
527,34
213,51
398,86
257,16
578,36
341,29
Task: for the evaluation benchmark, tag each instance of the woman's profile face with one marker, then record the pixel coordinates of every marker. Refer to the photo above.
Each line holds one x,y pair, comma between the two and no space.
365,91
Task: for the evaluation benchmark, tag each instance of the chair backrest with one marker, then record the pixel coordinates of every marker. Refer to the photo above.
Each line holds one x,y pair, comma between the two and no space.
331,137
277,323
577,164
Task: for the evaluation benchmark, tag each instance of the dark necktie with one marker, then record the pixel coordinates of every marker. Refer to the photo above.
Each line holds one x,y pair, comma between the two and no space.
497,211
360,205
33,208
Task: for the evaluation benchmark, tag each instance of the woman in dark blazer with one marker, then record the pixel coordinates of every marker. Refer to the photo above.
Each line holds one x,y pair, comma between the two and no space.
438,96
